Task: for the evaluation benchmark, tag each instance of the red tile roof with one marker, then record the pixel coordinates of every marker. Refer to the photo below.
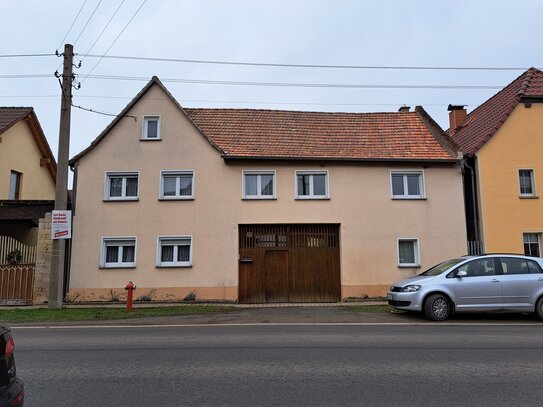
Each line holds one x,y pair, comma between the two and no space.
11,115
251,133
483,122
281,134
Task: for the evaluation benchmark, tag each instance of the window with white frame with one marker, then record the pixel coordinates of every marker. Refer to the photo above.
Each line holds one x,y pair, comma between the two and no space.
258,184
526,182
151,128
408,253
407,184
118,252
121,186
177,184
174,251
312,185
532,244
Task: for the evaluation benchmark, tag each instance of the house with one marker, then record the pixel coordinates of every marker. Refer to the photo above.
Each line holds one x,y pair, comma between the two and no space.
502,142
262,205
27,193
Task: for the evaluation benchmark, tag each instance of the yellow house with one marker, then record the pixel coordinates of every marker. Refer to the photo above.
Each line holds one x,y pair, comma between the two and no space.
27,174
502,142
256,205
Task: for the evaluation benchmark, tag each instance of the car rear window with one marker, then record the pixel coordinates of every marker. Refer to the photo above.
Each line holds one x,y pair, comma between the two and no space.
516,265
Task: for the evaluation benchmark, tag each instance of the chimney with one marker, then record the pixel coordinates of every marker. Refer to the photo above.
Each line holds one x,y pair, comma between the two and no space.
457,116
404,109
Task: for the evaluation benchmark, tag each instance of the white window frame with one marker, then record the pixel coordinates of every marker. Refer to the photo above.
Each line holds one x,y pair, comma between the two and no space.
532,179
177,197
145,128
311,194
404,173
416,249
123,175
175,263
538,234
119,264
258,184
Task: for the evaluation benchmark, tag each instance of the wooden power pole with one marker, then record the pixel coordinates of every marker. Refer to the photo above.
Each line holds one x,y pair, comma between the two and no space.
56,278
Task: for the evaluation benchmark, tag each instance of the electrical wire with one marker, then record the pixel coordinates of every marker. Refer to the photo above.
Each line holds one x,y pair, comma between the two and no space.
88,21
26,55
115,40
198,61
73,22
295,84
104,29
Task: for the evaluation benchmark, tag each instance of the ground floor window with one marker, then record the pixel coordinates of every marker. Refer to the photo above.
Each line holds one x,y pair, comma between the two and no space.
118,252
408,253
174,251
532,245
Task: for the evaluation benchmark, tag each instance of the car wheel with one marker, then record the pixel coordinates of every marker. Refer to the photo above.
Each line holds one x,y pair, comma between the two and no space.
437,307
539,308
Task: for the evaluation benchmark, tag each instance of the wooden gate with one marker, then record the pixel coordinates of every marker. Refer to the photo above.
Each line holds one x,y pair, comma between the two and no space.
16,280
289,263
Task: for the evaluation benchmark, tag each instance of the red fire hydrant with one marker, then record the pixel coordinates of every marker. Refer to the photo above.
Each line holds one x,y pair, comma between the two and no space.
130,287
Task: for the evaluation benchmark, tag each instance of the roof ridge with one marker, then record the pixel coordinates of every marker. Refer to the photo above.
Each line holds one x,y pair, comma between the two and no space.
291,111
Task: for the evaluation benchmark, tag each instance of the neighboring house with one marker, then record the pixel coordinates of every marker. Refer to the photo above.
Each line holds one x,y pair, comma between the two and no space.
502,142
27,173
262,205
27,193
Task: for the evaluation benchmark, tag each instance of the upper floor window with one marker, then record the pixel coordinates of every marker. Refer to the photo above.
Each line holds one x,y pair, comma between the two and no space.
174,251
312,185
407,185
532,244
121,186
526,182
258,184
118,252
151,128
408,253
177,185
15,185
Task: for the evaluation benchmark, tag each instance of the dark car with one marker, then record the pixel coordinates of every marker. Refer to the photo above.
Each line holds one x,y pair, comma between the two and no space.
11,389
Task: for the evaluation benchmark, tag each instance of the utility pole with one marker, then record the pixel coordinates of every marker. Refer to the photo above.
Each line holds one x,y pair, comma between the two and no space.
56,278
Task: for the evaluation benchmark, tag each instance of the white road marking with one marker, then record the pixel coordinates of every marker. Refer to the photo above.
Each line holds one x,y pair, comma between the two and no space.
275,324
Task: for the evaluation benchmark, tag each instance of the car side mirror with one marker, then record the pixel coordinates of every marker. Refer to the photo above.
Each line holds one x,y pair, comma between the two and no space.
461,273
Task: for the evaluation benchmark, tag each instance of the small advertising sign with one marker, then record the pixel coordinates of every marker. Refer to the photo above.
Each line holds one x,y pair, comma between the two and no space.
61,227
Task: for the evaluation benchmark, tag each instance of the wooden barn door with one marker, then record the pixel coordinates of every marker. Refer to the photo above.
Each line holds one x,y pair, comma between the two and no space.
289,263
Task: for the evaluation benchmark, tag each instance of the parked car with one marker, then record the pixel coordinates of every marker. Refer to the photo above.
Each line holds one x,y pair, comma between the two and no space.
492,282
11,388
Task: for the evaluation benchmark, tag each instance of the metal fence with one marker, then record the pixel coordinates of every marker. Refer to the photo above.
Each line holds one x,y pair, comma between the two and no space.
475,247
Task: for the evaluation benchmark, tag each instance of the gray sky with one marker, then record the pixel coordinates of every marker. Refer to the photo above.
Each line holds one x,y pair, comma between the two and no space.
459,33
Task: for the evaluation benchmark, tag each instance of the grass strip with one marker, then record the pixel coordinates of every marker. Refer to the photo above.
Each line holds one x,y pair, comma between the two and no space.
90,314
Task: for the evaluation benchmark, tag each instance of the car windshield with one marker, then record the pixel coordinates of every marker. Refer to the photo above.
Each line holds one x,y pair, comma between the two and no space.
441,267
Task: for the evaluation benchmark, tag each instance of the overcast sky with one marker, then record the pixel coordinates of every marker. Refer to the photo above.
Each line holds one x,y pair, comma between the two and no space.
427,33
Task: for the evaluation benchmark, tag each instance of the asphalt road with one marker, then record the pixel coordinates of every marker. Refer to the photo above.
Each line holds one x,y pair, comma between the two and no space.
470,362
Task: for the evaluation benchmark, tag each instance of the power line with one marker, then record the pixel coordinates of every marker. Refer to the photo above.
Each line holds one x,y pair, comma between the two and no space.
391,67
296,84
73,22
247,102
88,21
104,29
26,55
115,40
24,76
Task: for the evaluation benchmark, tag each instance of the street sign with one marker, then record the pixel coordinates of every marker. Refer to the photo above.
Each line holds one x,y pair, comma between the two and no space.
61,227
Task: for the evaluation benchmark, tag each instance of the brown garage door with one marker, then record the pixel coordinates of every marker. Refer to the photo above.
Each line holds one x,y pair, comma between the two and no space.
289,263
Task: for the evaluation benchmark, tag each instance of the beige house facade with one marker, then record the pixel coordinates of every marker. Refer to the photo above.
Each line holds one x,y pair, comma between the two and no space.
239,204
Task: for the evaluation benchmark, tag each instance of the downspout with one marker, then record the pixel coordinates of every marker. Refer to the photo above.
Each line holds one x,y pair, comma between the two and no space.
464,164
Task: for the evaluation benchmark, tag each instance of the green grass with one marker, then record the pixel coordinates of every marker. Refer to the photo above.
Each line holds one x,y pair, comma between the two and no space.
90,314
371,308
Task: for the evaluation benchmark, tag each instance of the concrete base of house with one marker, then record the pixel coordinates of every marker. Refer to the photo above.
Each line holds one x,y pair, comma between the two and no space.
226,293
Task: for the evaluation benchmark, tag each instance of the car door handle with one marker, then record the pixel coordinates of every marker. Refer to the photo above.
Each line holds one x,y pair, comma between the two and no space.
495,280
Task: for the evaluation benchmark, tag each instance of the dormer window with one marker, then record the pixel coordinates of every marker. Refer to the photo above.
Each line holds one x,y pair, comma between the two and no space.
151,128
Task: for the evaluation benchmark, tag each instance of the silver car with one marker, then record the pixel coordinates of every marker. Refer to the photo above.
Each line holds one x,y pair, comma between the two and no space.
494,282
